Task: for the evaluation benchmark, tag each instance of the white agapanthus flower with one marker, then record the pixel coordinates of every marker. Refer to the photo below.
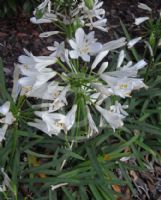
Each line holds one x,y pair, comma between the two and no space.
95,12
47,91
118,108
140,20
100,24
92,126
122,86
144,7
4,110
122,81
114,119
60,100
58,50
34,78
134,41
44,10
53,123
37,62
6,119
84,45
95,85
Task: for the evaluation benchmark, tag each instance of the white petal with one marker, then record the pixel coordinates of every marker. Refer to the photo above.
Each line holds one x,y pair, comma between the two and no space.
39,21
85,57
3,132
70,117
95,47
73,54
79,36
54,187
16,86
132,42
102,68
115,44
99,58
140,20
49,33
140,64
92,126
9,119
73,44
121,58
144,7
5,108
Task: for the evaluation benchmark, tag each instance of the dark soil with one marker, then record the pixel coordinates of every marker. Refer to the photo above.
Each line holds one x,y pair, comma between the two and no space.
18,33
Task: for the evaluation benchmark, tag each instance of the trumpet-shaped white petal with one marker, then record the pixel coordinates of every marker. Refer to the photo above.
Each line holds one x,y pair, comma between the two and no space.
134,41
3,130
84,45
102,68
115,120
92,126
44,20
115,44
38,62
144,7
33,78
140,20
99,58
16,89
47,34
69,120
121,58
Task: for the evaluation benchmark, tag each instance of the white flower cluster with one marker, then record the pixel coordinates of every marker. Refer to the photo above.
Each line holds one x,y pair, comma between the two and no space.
67,79
41,81
91,16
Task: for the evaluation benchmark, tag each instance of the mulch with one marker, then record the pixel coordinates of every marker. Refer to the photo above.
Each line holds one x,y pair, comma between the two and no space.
17,33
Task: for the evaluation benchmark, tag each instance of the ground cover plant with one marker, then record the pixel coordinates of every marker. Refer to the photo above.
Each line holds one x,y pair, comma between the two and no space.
84,121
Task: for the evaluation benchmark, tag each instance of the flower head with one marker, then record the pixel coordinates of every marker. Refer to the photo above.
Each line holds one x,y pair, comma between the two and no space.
84,45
